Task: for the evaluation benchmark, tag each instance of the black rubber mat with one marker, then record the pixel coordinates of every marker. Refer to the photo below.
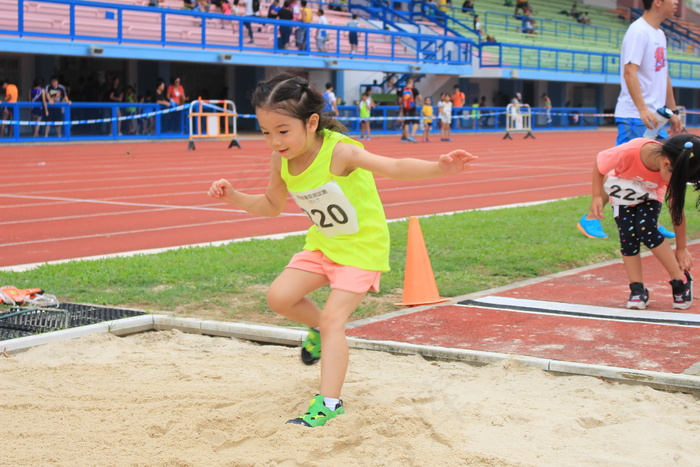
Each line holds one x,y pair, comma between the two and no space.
27,321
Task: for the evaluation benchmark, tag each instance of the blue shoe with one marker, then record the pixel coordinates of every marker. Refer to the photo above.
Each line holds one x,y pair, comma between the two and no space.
665,232
591,228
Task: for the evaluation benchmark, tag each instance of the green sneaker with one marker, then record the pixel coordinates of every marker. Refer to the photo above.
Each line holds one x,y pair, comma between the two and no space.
311,348
318,413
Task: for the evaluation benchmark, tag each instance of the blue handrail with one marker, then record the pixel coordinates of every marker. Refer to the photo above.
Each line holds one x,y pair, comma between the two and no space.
94,121
183,28
559,29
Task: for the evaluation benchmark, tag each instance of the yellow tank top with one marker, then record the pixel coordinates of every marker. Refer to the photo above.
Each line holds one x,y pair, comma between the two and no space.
349,223
428,113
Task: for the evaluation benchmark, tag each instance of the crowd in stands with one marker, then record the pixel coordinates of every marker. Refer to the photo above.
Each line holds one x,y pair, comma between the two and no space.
291,10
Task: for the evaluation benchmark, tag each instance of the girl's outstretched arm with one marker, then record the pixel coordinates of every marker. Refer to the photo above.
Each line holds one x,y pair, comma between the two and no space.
348,157
268,204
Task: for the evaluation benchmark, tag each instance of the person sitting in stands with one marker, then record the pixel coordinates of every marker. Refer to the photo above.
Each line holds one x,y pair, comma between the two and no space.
528,26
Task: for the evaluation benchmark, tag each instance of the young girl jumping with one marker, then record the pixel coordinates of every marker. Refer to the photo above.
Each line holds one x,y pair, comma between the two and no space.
635,176
330,177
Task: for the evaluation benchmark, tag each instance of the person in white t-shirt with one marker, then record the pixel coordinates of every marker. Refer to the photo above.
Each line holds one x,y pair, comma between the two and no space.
249,11
322,34
645,87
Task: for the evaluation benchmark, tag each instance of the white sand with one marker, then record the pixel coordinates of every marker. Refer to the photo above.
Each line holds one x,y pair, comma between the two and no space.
173,399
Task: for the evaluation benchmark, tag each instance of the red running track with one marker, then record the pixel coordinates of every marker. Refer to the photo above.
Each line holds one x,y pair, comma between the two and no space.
61,202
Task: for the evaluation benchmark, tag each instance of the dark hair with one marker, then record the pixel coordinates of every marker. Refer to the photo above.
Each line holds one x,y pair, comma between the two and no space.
647,4
291,95
685,168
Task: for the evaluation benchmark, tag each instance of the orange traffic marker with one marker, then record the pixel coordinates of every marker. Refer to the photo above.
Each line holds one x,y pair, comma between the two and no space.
419,286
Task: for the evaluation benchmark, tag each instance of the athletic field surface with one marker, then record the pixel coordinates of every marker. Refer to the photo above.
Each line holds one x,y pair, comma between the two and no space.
68,202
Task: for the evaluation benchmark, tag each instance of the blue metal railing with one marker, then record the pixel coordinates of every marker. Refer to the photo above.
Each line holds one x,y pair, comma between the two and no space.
78,20
87,121
559,29
499,55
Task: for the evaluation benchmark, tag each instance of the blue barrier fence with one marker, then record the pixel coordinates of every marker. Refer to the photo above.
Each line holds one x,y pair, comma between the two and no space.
77,20
499,55
84,121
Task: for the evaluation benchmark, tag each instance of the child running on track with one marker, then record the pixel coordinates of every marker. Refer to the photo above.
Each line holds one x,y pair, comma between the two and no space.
330,177
638,175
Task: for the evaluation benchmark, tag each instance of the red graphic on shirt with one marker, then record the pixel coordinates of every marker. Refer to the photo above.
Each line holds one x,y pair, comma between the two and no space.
660,56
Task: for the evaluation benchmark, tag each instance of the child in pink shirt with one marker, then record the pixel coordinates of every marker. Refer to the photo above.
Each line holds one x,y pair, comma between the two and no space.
637,176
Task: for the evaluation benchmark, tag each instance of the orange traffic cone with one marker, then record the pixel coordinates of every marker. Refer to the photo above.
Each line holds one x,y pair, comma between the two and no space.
419,287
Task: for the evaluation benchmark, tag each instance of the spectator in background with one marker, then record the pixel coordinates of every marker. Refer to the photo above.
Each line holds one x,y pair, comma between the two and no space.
468,6
176,93
390,84
202,6
322,34
446,118
37,94
296,10
302,32
273,13
116,94
55,94
475,113
249,12
574,10
458,100
409,99
159,97
285,13
528,25
130,96
477,24
547,107
427,112
484,116
11,94
352,35
365,108
331,107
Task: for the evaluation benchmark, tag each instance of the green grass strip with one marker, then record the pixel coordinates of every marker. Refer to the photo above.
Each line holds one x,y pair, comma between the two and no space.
469,252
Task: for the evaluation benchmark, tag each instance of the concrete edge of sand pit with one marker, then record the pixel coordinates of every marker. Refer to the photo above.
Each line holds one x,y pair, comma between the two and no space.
294,336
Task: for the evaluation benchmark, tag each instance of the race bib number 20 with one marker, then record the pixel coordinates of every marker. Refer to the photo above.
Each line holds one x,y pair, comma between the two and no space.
328,208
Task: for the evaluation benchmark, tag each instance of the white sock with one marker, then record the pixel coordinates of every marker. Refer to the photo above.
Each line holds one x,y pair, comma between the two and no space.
330,402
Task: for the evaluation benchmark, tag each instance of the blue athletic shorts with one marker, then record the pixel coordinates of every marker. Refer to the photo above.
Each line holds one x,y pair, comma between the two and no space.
630,128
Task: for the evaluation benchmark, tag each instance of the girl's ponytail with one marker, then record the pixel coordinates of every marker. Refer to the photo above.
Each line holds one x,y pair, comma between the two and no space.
683,151
291,95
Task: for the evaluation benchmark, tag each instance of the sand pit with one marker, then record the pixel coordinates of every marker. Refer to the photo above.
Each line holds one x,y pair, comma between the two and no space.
174,399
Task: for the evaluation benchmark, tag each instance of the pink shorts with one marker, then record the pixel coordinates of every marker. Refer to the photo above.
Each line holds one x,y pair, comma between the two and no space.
347,278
